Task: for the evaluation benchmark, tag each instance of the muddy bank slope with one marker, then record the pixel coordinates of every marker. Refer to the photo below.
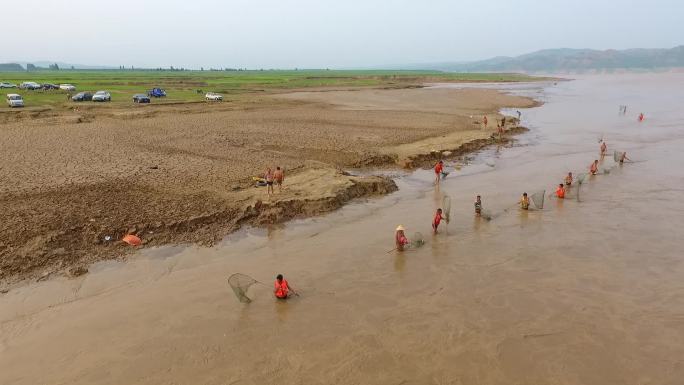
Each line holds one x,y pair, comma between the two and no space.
185,174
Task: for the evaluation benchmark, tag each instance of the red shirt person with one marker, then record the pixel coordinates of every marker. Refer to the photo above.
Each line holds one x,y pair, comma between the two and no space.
281,288
439,167
437,220
400,239
560,191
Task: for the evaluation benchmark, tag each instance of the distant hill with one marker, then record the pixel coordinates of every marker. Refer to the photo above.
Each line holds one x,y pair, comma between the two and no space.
571,60
11,67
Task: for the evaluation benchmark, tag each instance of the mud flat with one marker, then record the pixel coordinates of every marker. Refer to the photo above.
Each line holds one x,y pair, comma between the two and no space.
183,174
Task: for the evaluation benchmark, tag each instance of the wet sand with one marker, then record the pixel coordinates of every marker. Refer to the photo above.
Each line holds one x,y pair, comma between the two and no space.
585,292
182,174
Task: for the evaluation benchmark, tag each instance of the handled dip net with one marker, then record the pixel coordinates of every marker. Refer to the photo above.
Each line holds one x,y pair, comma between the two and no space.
446,207
538,199
417,240
240,283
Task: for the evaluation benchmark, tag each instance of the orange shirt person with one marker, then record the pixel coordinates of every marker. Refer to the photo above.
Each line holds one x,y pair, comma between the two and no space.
281,288
593,169
439,167
560,191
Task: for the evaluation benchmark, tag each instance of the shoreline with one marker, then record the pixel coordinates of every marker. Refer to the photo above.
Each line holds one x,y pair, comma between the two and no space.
313,189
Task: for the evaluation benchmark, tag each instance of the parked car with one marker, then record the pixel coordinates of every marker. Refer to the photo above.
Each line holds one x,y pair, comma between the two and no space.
50,86
82,97
30,86
102,96
156,93
67,87
14,100
7,85
141,98
212,96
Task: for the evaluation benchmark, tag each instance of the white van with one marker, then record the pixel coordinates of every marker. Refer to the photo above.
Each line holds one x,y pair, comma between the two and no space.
15,100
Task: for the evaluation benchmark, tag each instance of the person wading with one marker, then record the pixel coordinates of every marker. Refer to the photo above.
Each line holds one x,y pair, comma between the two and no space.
282,289
400,239
439,167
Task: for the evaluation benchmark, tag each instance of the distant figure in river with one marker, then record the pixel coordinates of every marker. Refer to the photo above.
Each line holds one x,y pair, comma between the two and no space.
568,179
269,181
593,169
279,177
604,148
525,202
499,129
641,117
560,191
400,239
439,167
519,115
503,123
484,120
478,206
282,289
624,157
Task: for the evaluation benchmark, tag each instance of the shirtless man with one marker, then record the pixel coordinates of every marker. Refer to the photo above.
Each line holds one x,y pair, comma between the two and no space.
279,177
525,202
568,179
604,148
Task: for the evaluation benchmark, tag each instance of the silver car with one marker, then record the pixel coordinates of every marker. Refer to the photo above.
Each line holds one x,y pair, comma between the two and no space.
7,85
102,96
14,100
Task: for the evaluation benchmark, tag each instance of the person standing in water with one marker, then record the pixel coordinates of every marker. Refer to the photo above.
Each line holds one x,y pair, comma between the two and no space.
282,289
525,202
478,206
593,169
400,239
484,120
439,167
437,220
604,148
623,157
568,179
560,191
641,116
519,115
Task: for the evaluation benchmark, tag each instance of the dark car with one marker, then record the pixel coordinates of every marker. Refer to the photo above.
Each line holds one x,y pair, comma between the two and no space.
49,86
82,97
156,92
141,98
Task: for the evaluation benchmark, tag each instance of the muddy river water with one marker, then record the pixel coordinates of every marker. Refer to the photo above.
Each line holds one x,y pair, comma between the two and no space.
581,292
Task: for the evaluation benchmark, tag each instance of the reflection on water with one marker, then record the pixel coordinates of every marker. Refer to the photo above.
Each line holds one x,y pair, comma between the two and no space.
582,292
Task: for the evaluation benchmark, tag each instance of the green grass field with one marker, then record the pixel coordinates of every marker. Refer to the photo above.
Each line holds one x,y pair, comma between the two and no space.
182,86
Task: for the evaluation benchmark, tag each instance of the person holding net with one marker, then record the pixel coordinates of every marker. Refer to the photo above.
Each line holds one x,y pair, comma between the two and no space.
593,168
437,220
525,202
400,239
568,179
560,191
439,168
282,289
623,157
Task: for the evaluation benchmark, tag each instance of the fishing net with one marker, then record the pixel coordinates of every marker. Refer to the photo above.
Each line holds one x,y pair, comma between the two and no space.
581,178
446,207
486,215
240,283
538,199
417,240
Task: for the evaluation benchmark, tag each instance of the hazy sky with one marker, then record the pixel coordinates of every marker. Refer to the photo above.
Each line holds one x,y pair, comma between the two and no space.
322,33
